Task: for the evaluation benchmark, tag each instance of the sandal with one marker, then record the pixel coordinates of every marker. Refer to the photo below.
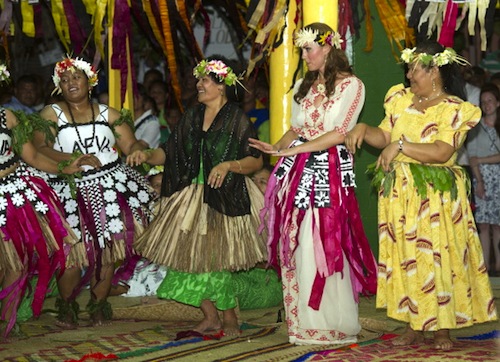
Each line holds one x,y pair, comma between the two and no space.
67,313
100,312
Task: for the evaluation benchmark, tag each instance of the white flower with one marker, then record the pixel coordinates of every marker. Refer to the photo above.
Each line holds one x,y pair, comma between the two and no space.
11,187
30,195
132,185
3,189
41,207
133,202
112,210
143,196
305,36
407,55
109,195
73,220
107,182
120,176
3,220
115,225
18,200
70,206
78,233
3,203
4,73
120,187
65,193
20,184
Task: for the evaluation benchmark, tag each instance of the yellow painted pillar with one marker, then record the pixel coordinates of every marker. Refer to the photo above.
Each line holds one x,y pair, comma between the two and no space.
322,11
282,64
114,77
284,59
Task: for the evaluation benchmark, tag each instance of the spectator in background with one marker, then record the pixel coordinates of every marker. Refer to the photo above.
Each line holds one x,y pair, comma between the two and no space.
158,92
26,94
151,76
495,79
147,126
484,152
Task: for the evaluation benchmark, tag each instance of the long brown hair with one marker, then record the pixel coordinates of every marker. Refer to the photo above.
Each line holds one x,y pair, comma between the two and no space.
336,62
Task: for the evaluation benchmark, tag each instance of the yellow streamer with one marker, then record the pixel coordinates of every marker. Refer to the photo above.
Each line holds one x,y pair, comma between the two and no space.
169,45
97,20
146,5
61,23
28,19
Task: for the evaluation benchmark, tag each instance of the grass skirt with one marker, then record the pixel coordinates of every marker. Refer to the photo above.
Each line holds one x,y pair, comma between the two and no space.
187,235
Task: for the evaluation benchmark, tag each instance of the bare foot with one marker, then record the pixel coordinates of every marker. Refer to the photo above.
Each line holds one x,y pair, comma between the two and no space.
208,325
442,340
230,326
409,337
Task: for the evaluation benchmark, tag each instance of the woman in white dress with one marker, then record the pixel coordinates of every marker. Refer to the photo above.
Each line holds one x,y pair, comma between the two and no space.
312,214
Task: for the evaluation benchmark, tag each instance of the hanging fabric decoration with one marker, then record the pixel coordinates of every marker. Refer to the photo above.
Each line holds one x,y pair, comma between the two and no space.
392,17
77,35
369,26
61,23
28,19
97,21
345,21
121,51
155,27
169,46
449,23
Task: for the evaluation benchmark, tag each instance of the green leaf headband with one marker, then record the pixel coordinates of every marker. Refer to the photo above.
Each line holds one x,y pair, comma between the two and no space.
447,56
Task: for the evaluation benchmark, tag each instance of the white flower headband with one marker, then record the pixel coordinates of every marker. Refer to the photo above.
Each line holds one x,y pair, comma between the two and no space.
72,64
447,56
217,67
4,73
308,35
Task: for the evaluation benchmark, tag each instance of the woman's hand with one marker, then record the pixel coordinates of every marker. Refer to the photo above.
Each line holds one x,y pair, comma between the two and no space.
88,160
354,139
137,158
218,174
479,190
76,165
387,155
263,146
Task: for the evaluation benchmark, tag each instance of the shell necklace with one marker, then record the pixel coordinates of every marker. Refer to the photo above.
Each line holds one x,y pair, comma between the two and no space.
75,125
430,98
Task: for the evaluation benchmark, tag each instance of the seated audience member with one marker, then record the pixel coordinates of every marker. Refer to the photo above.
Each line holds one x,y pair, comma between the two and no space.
26,94
147,125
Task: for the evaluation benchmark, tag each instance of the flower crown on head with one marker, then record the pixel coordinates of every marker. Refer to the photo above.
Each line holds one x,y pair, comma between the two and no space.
308,35
447,56
73,64
217,67
4,73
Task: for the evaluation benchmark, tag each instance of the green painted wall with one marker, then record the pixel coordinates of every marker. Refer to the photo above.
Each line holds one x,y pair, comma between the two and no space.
378,70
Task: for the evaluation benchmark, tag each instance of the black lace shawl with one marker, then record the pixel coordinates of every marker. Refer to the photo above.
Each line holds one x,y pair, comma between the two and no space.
225,140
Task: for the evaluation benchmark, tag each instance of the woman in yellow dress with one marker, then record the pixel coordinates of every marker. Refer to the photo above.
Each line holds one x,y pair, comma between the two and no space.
431,269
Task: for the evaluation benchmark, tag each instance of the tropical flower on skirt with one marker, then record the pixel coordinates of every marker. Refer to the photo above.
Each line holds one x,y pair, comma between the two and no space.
41,207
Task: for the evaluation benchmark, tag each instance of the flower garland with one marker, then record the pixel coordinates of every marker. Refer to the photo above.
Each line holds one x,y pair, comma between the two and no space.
73,64
308,35
219,69
447,56
4,73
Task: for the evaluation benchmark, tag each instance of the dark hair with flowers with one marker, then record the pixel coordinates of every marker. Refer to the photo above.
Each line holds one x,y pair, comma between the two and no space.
73,64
